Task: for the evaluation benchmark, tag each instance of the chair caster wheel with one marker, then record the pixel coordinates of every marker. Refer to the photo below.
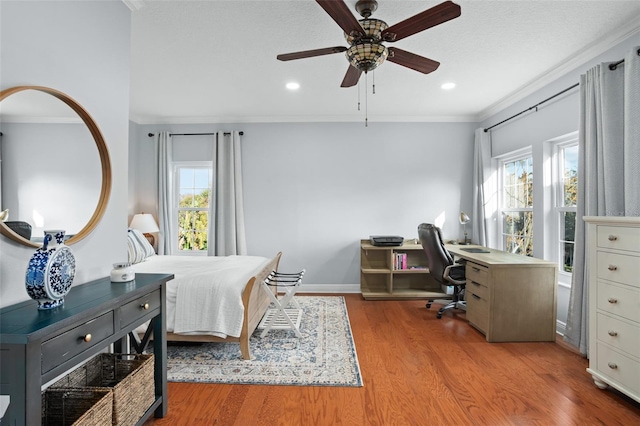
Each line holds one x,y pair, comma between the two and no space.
438,316
428,305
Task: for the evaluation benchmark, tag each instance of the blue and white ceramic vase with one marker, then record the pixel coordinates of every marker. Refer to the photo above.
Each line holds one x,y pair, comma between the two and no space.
50,272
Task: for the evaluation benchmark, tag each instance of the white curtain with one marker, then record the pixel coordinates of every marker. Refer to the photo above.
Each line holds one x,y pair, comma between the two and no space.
226,210
164,182
608,168
485,201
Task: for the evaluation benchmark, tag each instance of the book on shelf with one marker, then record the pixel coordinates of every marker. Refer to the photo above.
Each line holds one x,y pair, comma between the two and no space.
400,261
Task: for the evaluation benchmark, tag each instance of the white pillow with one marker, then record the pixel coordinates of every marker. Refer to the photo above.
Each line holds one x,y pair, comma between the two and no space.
139,247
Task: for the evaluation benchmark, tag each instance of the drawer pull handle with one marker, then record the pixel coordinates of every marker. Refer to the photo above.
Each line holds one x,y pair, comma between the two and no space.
612,300
87,337
475,283
612,238
475,269
476,296
145,306
612,365
612,268
612,333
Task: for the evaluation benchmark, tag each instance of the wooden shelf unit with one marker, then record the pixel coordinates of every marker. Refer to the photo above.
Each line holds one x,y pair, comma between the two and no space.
379,280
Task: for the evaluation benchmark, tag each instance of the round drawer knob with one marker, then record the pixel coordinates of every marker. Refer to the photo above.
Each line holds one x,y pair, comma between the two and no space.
612,365
145,306
612,333
612,238
612,300
612,268
87,337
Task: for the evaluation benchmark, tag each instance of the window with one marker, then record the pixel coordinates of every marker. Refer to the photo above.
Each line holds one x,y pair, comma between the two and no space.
566,190
193,183
516,204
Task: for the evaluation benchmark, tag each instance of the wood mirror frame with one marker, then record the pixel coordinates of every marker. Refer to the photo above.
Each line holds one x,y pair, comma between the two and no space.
104,160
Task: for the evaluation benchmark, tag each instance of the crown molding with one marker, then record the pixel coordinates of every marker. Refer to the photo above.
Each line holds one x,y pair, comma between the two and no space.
146,120
134,5
572,62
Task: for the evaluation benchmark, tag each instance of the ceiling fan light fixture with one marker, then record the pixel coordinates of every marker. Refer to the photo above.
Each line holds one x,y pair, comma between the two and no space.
372,28
366,56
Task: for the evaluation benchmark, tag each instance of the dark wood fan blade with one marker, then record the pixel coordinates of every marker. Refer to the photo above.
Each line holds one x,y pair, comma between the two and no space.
351,77
429,18
340,13
411,60
311,53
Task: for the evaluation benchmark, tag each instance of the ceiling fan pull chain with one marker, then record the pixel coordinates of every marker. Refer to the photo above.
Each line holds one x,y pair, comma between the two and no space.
373,78
358,96
366,102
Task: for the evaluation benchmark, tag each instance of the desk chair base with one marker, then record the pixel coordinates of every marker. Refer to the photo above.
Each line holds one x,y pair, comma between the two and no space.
461,304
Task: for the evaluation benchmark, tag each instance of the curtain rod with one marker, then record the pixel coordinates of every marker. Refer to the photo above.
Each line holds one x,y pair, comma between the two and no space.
192,134
611,67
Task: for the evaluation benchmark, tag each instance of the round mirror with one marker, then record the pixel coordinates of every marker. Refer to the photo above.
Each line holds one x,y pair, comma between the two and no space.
51,175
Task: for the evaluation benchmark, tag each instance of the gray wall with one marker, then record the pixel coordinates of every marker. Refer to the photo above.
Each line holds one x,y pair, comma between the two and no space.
555,118
314,190
82,49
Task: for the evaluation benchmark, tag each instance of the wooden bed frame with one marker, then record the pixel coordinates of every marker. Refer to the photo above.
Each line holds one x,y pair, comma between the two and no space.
255,302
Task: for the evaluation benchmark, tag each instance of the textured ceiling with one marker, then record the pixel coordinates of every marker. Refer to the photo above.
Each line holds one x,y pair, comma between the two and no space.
215,61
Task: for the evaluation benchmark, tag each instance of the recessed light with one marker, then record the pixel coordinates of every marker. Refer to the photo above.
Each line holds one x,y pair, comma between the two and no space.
448,86
293,86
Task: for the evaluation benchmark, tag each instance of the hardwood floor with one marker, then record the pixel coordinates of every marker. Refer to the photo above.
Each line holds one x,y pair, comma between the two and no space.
418,370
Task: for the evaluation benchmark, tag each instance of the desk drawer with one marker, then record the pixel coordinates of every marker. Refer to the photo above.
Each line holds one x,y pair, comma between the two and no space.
618,300
618,367
65,346
478,312
138,308
619,238
477,273
619,268
478,289
619,334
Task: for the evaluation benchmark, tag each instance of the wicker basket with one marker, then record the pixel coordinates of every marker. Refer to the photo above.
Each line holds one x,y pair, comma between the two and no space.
77,407
130,377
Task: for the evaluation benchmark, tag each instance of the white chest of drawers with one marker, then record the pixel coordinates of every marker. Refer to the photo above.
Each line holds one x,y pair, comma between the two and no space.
613,258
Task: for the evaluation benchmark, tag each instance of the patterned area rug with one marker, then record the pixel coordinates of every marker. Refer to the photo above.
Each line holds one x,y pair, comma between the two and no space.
324,355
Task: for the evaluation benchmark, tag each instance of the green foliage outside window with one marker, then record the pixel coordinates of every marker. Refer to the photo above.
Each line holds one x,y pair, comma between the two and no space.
193,221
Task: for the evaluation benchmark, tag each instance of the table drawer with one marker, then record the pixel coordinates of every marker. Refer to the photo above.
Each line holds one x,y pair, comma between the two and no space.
618,367
65,346
620,268
476,288
619,334
477,273
478,312
618,300
620,238
138,308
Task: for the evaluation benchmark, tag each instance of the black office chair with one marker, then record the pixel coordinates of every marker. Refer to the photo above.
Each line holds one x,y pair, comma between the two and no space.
21,228
442,267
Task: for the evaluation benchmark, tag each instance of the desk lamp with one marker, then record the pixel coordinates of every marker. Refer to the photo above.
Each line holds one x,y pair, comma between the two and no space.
145,223
464,219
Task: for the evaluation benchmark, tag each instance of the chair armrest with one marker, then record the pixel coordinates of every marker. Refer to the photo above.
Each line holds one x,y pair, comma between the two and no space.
447,274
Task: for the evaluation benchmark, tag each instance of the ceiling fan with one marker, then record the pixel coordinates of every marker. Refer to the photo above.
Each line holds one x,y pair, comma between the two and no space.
365,37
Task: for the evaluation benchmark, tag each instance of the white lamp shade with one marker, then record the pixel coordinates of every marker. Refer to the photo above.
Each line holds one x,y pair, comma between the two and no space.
464,218
145,223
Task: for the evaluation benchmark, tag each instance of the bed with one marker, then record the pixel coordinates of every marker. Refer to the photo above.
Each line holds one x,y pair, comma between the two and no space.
213,298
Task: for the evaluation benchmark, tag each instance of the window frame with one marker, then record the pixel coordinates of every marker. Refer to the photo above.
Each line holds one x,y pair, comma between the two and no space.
177,165
558,208
525,153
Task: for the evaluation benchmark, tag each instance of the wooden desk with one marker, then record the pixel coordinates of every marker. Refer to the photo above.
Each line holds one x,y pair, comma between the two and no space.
510,298
38,346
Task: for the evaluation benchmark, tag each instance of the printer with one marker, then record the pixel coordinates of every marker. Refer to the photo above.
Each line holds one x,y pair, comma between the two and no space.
386,240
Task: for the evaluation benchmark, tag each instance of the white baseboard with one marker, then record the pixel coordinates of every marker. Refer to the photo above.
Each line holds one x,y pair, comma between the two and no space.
329,288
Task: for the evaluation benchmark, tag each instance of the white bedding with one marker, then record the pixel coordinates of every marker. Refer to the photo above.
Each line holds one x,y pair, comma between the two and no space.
205,297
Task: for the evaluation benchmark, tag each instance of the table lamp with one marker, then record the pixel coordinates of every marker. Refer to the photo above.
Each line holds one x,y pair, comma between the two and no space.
464,219
145,223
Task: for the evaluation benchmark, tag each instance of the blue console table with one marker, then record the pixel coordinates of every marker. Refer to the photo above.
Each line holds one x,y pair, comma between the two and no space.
38,346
